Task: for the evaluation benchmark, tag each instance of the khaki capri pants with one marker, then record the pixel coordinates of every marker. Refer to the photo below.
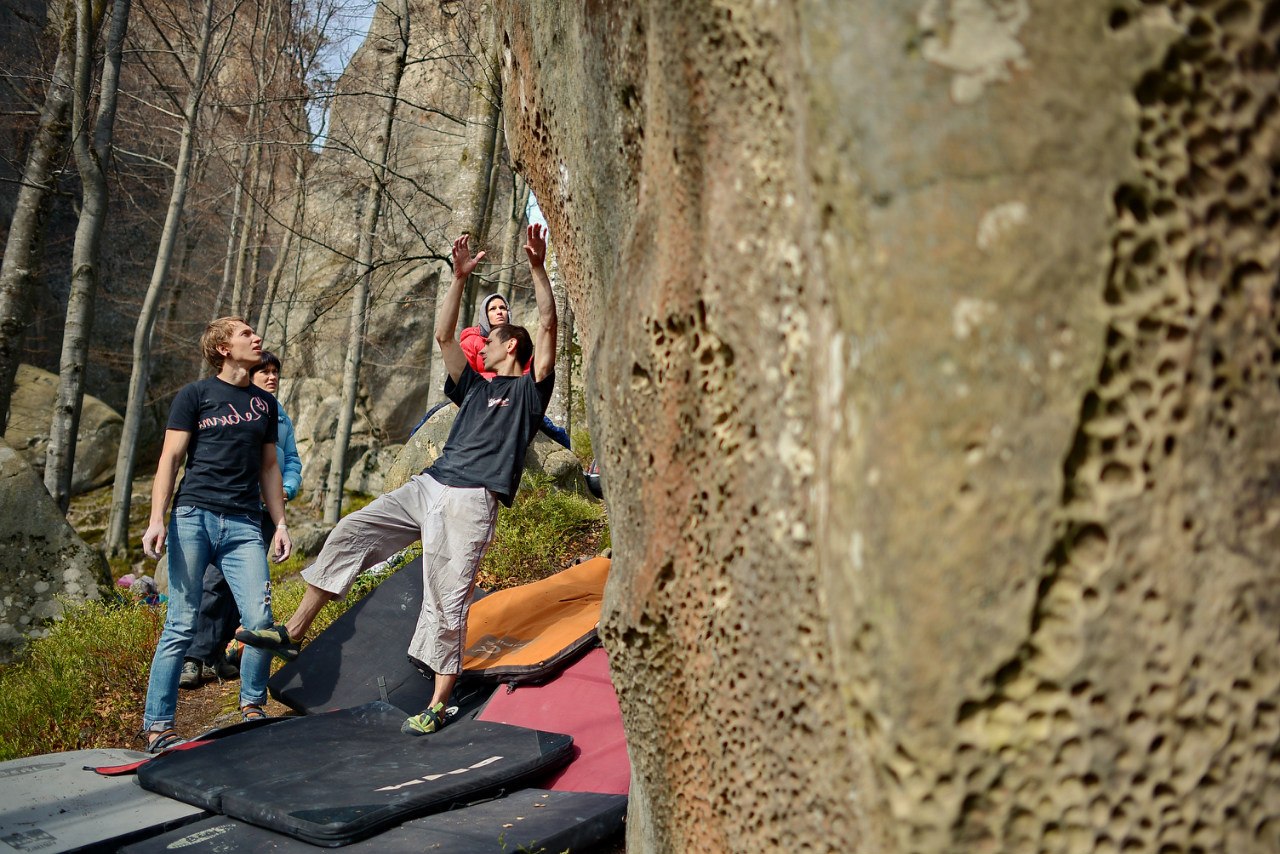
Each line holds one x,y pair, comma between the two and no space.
455,525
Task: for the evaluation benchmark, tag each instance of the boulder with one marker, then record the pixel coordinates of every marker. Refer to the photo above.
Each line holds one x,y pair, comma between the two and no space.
548,457
545,456
308,536
97,440
423,447
932,354
160,573
368,475
314,404
43,563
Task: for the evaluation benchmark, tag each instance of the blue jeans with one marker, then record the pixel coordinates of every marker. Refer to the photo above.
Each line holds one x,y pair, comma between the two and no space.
233,543
218,616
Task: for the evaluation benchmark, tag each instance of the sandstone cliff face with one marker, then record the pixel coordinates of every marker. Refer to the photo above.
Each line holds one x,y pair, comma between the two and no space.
414,233
933,360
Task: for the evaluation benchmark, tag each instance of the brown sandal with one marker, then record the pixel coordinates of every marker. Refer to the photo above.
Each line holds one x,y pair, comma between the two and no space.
252,712
163,741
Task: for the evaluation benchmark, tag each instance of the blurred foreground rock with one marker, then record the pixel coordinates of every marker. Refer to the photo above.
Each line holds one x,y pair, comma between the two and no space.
933,354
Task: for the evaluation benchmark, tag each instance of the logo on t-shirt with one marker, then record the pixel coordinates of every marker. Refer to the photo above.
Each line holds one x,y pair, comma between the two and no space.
257,409
499,401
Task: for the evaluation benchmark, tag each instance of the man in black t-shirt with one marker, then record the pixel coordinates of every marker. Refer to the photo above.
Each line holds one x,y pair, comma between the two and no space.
224,428
452,505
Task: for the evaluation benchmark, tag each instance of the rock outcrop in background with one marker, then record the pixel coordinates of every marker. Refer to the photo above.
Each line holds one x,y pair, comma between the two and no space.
307,280
97,440
153,79
933,357
429,147
42,561
546,457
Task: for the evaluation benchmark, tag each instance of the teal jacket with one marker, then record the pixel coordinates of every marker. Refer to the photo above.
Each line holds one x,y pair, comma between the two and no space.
287,456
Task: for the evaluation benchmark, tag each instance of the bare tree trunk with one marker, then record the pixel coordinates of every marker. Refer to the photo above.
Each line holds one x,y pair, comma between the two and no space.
259,239
471,213
121,498
265,62
277,269
301,57
571,362
173,298
233,232
282,255
565,364
364,272
481,238
17,271
513,237
249,230
561,394
91,159
475,167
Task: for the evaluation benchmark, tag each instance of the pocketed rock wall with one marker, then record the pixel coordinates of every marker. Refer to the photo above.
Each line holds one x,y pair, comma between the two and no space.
933,364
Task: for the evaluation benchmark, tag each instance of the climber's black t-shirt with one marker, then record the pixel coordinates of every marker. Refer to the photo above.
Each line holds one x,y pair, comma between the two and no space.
228,426
495,423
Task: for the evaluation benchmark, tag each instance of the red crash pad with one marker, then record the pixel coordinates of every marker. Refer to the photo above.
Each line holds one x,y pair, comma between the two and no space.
580,702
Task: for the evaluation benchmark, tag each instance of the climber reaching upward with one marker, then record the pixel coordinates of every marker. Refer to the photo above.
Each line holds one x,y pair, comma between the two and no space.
451,505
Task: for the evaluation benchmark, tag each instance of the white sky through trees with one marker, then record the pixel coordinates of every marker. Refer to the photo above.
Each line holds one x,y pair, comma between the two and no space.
346,32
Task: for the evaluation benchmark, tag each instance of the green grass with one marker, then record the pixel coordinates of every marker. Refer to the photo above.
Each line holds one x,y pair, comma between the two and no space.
581,441
286,595
541,532
371,578
79,686
291,567
353,501
83,685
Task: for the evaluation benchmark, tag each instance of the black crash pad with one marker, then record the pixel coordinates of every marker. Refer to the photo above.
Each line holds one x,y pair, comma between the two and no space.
333,778
363,656
526,820
131,767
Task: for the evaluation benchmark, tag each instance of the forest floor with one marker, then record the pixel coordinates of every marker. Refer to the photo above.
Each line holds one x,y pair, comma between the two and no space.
216,703
213,704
